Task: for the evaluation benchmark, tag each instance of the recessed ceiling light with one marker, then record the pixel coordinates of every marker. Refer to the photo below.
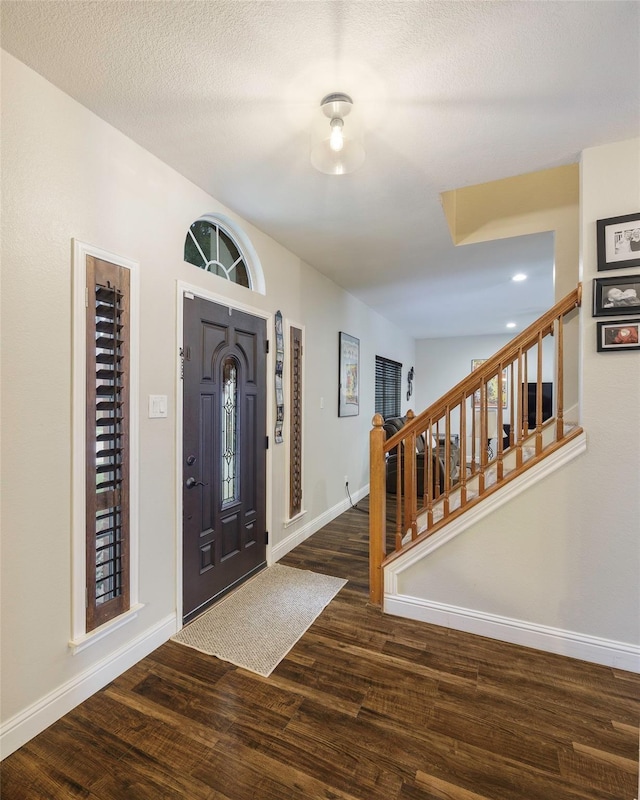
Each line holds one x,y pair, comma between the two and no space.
520,276
511,324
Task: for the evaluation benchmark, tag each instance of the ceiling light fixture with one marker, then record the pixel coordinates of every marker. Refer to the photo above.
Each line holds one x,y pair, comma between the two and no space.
337,149
520,276
511,324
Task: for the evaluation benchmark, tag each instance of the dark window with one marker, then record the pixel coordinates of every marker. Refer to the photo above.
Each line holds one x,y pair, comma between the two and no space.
209,247
388,379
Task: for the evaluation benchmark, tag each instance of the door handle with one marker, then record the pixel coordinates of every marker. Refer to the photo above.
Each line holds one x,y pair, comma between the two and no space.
191,482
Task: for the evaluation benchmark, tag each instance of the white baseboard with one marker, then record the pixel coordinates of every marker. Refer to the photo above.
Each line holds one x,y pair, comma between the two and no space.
541,637
28,723
281,549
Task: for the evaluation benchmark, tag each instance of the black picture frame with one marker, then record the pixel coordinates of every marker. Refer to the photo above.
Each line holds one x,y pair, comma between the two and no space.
619,334
609,302
618,241
349,376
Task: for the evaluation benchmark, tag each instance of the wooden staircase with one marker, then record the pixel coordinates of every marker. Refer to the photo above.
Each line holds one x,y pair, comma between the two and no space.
475,412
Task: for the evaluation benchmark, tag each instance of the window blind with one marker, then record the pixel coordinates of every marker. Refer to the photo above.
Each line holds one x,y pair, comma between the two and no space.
388,388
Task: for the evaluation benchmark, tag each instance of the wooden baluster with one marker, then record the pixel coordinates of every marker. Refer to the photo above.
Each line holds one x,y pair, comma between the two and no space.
447,461
512,407
520,409
399,479
463,451
499,465
560,380
410,476
422,486
435,443
429,472
483,435
525,389
474,433
377,509
539,398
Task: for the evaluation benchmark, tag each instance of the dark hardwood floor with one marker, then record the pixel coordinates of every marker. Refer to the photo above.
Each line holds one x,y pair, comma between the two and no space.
365,706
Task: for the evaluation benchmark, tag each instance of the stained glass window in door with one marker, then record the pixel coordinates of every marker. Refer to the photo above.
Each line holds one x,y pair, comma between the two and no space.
229,430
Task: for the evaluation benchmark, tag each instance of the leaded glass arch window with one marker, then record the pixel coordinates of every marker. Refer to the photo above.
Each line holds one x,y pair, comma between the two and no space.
211,247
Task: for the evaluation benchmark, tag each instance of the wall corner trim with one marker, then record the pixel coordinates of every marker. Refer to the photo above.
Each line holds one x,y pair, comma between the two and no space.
28,723
610,653
297,537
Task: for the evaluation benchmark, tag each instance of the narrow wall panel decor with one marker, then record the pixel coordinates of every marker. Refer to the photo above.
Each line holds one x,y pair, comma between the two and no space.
278,380
295,426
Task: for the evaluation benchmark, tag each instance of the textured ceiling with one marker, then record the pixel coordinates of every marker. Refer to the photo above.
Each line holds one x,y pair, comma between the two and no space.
449,94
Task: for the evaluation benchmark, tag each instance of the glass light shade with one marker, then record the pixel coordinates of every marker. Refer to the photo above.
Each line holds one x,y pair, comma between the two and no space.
336,121
337,162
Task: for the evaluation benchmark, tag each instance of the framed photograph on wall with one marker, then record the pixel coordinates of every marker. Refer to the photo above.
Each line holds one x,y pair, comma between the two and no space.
616,295
493,393
348,376
618,242
619,335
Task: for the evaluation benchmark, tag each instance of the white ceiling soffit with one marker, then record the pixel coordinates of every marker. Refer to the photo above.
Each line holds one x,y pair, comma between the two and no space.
449,94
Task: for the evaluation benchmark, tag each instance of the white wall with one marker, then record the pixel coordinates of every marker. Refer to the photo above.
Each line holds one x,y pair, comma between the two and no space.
67,174
565,554
441,363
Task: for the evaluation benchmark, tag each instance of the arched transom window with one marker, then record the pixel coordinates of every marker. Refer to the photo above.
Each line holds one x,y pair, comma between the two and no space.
211,247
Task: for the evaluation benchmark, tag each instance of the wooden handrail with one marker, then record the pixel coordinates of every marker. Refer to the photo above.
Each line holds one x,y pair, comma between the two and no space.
427,496
488,369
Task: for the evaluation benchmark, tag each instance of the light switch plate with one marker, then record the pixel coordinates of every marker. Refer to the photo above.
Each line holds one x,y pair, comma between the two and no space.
157,406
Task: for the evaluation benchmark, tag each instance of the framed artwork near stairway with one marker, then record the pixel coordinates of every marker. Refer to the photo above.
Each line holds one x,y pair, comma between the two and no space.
622,334
349,376
618,242
618,294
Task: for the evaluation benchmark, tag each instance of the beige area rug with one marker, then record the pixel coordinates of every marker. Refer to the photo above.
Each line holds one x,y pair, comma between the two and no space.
257,625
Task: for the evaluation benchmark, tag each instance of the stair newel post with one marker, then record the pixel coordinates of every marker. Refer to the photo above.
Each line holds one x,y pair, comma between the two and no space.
377,509
560,380
410,480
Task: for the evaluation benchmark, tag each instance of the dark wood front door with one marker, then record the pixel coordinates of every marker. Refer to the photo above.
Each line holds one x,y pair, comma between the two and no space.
224,451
